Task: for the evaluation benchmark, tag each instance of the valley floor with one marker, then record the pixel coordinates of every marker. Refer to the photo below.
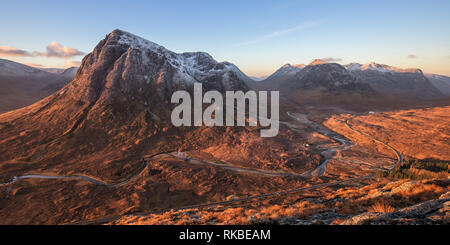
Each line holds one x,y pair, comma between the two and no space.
200,187
385,199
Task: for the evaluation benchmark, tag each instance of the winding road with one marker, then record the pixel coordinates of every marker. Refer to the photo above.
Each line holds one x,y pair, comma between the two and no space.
268,195
185,157
397,153
87,178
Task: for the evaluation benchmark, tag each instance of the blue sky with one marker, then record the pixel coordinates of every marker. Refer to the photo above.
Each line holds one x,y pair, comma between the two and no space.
257,36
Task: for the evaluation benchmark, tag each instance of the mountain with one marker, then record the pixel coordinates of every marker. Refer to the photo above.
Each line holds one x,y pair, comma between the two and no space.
22,85
440,82
115,112
318,83
318,73
380,68
286,72
53,70
395,82
331,76
258,79
126,73
125,82
120,95
368,85
317,62
66,72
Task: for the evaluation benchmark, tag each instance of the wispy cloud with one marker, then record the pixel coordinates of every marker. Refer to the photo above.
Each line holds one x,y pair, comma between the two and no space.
412,56
303,26
54,49
7,51
332,59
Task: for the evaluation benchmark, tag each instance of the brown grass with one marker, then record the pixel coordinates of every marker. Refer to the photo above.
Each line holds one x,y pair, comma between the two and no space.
420,192
419,133
381,207
348,201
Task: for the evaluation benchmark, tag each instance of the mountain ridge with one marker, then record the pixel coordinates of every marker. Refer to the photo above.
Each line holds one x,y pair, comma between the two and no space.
22,85
386,80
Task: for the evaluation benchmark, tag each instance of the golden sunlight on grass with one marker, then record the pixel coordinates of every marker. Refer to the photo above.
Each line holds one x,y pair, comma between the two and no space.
381,207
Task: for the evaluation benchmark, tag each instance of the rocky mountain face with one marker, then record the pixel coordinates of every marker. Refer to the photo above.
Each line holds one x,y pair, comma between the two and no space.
22,85
395,82
129,71
119,98
128,79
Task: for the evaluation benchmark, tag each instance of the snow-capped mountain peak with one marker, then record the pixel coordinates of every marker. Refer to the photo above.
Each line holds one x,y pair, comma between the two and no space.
317,62
372,66
288,69
190,66
353,66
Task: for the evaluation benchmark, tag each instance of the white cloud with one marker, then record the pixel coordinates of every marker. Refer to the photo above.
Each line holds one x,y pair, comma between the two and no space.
54,49
11,51
59,51
331,59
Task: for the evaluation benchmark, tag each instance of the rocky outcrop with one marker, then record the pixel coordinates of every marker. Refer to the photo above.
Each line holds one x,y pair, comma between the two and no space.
429,212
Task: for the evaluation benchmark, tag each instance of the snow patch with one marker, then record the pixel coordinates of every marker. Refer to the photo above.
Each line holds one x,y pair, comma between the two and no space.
380,68
190,66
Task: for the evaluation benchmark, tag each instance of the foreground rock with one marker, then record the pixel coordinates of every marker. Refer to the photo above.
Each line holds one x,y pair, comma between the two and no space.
427,213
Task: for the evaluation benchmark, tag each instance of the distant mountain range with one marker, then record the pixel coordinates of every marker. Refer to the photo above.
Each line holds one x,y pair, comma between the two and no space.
22,85
341,81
